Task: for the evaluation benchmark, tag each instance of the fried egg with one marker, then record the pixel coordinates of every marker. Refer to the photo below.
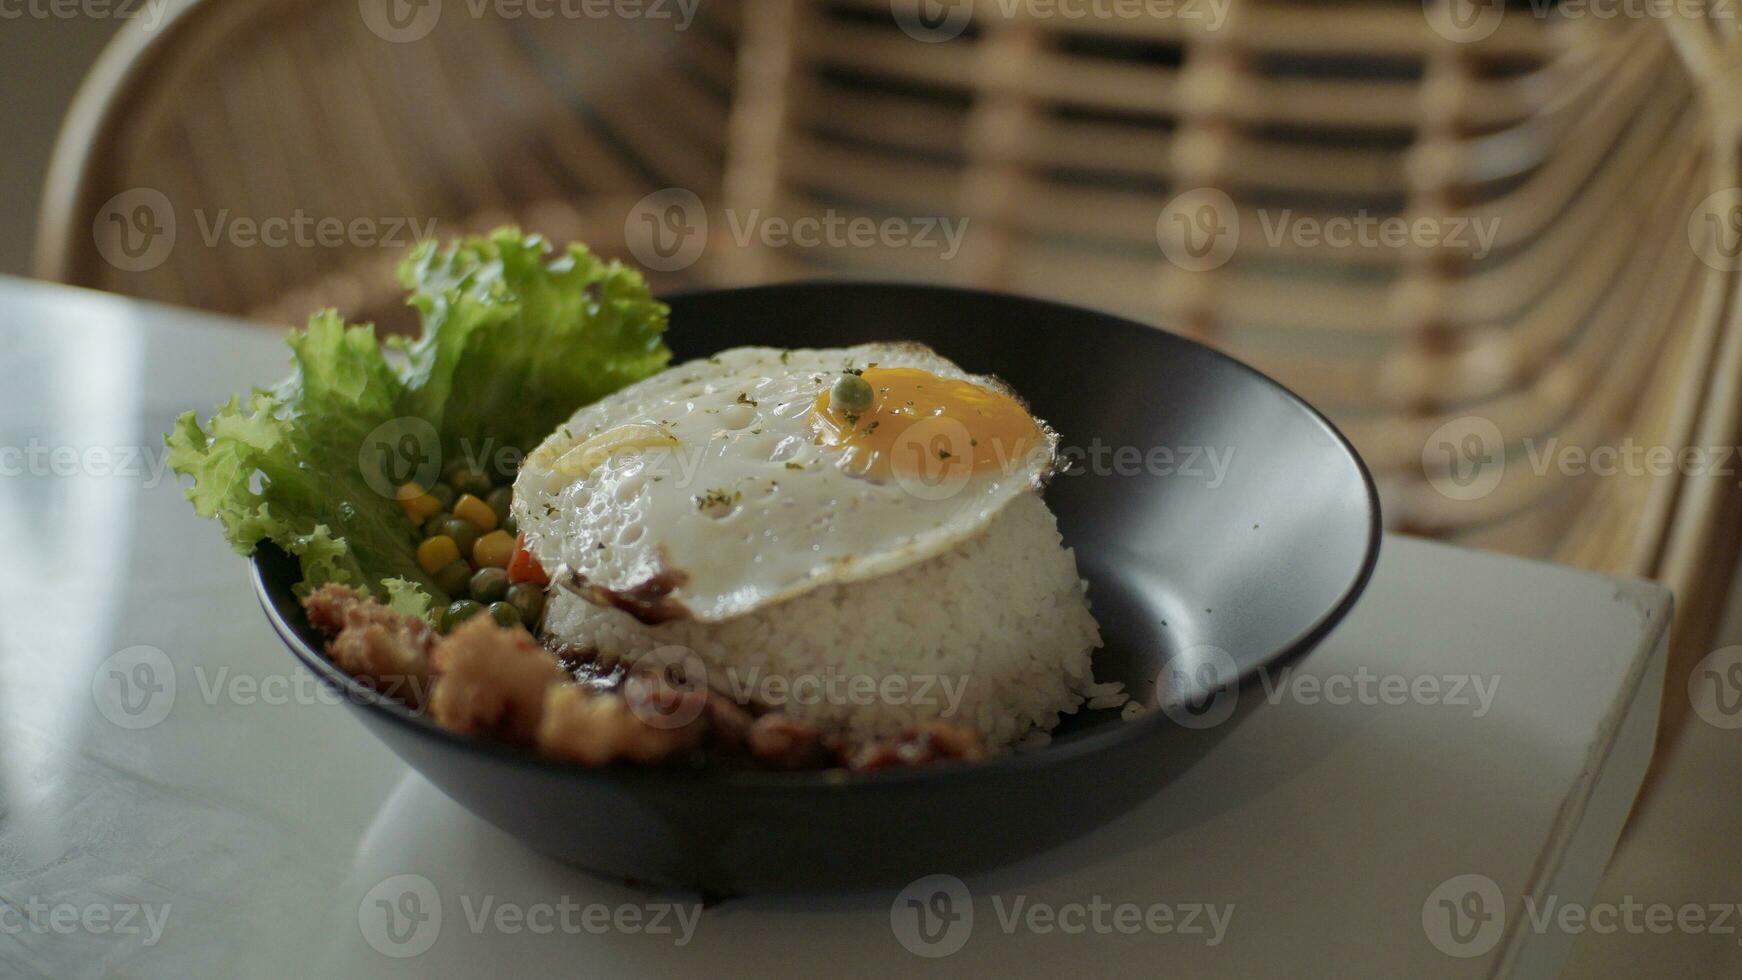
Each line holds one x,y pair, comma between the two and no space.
731,483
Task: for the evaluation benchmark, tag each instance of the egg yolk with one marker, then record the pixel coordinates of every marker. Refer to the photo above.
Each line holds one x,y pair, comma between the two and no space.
921,424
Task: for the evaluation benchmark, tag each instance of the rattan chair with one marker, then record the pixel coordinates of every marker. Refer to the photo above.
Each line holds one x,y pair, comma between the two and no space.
1585,146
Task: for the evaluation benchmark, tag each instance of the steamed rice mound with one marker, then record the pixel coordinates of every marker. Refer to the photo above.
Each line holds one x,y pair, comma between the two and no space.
1000,625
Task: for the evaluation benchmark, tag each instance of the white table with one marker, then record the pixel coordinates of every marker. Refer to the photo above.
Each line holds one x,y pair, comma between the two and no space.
252,829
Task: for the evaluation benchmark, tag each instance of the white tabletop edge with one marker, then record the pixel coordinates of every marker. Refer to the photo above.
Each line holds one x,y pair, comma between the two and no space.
1635,704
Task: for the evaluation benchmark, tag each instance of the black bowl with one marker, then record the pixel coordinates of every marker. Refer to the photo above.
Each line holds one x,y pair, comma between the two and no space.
1223,525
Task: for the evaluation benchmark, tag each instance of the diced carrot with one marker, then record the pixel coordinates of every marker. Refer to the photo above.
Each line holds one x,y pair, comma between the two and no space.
525,568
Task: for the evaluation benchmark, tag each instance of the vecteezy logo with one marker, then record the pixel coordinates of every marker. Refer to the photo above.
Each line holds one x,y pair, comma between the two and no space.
1465,458
1464,21
134,688
400,451
1716,688
932,21
933,917
135,229
1200,687
664,679
1199,229
400,21
1715,230
401,917
933,459
667,230
1464,916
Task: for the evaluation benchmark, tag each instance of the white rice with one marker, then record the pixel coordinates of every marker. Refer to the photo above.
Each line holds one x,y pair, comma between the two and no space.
995,633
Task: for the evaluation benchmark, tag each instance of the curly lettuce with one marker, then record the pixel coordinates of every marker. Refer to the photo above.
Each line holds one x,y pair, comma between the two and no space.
515,337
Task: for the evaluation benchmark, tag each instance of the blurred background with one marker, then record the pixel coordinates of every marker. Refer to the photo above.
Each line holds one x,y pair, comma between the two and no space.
44,62
1467,230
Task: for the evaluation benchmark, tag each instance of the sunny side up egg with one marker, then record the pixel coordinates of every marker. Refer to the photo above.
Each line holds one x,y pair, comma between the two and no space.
727,484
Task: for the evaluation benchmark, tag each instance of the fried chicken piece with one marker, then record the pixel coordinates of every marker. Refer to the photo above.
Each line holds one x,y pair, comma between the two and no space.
492,681
662,702
729,722
780,741
597,729
326,606
387,650
928,743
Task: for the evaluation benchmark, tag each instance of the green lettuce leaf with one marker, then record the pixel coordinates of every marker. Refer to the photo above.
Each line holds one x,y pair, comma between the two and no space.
407,597
515,338
285,466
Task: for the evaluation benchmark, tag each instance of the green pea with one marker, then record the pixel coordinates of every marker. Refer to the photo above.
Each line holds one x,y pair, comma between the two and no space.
459,612
489,585
466,478
499,500
529,600
851,394
462,531
452,579
510,525
504,614
445,494
435,524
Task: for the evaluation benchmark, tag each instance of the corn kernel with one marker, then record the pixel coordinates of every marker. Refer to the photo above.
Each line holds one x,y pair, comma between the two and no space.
419,505
493,550
436,553
476,512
